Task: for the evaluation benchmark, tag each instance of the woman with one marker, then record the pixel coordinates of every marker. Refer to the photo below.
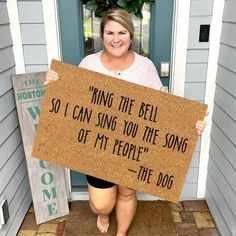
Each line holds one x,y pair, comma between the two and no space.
117,60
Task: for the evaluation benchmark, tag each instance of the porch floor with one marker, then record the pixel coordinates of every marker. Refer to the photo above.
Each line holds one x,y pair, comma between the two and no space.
188,218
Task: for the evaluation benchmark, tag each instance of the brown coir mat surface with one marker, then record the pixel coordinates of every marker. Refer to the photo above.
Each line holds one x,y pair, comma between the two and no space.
152,218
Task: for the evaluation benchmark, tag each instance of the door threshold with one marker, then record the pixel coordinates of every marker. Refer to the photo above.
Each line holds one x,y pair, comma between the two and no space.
81,194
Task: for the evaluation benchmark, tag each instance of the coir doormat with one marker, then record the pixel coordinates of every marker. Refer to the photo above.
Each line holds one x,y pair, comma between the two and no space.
153,218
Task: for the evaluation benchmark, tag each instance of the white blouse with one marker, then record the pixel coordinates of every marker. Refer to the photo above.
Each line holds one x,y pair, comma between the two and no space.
142,71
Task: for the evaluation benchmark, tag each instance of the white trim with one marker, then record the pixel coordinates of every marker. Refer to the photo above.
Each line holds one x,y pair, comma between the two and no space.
83,196
51,25
79,195
215,33
16,36
68,181
179,46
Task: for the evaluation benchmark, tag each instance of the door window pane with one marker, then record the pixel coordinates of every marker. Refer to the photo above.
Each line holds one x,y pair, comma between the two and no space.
93,42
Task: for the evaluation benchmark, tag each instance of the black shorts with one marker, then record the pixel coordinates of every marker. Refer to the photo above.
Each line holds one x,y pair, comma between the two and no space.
99,183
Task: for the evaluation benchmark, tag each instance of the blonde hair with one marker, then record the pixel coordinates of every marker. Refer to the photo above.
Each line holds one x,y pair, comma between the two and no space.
120,16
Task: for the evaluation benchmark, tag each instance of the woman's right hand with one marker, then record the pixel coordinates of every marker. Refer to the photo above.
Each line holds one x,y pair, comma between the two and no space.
51,75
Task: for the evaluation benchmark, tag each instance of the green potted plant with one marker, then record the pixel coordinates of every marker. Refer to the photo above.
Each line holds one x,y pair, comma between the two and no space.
101,6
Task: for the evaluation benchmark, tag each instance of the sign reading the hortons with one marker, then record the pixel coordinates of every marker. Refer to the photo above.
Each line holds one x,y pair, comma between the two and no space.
118,131
47,181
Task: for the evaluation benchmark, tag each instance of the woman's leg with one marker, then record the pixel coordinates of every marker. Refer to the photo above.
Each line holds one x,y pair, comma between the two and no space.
102,201
126,205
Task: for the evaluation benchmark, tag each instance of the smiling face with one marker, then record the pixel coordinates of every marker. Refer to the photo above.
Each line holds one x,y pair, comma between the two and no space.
116,39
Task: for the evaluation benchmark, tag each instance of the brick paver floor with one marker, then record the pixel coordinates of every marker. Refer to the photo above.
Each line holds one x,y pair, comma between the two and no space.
192,218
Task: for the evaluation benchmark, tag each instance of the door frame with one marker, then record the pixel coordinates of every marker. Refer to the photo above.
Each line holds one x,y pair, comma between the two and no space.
178,59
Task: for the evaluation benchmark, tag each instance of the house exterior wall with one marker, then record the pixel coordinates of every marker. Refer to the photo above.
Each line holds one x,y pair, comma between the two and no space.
33,35
221,184
14,183
195,79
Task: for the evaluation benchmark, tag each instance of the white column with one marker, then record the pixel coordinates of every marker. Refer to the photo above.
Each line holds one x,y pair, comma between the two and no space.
179,46
51,26
215,33
16,36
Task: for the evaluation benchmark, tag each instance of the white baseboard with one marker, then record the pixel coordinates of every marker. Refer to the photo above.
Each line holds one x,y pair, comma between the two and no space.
82,195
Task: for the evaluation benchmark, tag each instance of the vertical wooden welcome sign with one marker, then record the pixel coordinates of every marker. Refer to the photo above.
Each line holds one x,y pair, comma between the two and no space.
47,181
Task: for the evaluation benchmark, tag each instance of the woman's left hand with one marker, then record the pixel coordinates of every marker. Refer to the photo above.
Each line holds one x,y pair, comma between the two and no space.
200,126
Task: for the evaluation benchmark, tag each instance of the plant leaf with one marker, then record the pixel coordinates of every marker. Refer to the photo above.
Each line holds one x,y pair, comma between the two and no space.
100,11
112,2
101,6
122,3
139,14
84,1
91,5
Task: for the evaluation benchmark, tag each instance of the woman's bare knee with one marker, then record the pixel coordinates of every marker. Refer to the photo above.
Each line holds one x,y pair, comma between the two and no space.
102,201
126,193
